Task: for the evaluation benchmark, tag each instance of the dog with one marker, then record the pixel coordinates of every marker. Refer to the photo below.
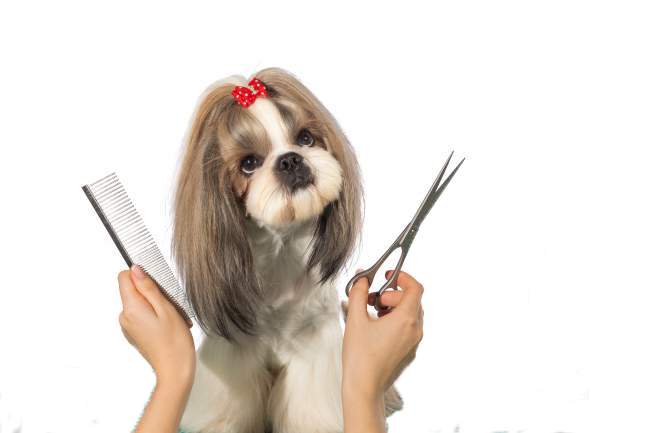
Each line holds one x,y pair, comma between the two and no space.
267,210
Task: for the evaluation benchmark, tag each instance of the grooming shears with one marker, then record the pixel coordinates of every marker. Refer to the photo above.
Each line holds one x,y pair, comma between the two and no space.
405,238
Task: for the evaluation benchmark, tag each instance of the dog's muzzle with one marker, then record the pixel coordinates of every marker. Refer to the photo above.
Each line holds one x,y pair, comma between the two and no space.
292,171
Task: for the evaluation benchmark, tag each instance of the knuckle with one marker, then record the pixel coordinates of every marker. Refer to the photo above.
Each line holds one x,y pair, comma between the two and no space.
410,323
128,314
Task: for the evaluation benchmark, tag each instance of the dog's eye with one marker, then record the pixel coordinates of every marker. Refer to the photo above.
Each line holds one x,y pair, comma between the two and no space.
304,138
249,163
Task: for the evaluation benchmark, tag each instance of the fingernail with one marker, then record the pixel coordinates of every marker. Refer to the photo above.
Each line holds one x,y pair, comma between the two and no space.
388,273
137,272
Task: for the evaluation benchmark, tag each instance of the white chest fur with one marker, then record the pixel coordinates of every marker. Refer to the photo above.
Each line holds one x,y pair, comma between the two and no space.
289,374
295,304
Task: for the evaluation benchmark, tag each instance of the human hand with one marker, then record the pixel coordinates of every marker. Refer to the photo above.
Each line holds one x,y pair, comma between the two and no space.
151,323
375,351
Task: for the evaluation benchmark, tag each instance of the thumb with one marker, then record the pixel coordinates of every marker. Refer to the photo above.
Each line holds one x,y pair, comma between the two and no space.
358,299
148,288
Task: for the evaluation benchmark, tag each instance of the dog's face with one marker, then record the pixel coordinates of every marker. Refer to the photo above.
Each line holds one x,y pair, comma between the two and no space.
281,164
281,160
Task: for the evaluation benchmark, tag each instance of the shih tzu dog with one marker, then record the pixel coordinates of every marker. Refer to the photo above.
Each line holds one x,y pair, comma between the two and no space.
267,211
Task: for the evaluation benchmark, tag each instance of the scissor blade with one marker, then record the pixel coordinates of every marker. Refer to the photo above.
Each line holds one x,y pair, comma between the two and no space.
432,196
436,182
432,190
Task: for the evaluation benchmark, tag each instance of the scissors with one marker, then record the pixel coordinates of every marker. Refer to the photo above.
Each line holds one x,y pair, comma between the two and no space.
405,238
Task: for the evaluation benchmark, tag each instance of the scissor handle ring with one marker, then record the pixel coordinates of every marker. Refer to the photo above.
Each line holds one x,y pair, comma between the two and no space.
368,273
387,285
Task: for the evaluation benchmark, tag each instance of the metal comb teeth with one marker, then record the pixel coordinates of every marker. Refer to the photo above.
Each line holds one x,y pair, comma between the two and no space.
132,238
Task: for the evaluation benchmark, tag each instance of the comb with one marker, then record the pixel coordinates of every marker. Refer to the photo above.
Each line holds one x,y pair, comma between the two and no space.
133,240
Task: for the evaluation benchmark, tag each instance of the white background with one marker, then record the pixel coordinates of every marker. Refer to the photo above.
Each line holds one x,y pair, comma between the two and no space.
534,262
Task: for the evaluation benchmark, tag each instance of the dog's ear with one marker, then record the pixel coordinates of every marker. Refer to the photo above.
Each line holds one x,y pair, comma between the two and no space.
209,242
339,225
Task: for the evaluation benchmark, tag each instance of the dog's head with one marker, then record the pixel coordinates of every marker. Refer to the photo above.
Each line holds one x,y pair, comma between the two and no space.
280,161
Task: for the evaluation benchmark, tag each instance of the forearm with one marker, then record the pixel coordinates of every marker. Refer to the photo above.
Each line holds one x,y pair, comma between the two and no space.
165,407
362,414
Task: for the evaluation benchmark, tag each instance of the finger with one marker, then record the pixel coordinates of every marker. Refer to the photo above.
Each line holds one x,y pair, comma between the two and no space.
358,299
127,288
390,298
130,296
411,292
123,326
403,278
149,289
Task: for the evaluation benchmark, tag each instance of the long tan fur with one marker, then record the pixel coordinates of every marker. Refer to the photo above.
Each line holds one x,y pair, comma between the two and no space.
209,242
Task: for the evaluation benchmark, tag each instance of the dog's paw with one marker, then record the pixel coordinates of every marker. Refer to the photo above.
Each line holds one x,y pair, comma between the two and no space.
344,309
393,400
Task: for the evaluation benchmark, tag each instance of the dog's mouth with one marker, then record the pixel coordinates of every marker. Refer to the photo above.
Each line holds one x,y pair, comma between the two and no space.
296,177
301,183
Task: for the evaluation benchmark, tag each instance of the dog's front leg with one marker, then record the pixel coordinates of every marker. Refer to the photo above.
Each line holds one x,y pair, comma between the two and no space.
306,396
230,390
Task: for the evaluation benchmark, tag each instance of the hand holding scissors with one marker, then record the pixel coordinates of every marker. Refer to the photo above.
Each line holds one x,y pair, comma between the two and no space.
405,238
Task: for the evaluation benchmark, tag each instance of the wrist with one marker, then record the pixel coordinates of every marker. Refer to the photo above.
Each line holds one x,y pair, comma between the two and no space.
173,388
370,398
359,391
363,412
180,379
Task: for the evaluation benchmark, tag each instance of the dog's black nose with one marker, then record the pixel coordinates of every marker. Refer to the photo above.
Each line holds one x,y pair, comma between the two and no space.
292,171
289,161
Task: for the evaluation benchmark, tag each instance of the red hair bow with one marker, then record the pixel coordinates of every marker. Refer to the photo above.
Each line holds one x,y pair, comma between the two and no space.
245,95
